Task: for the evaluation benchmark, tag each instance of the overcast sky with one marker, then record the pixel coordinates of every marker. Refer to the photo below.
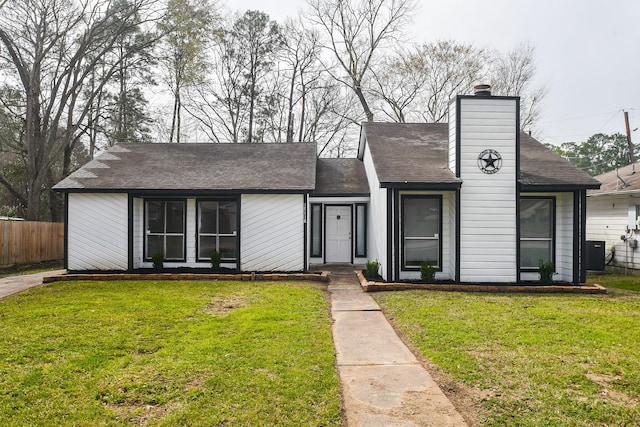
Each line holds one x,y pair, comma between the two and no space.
587,52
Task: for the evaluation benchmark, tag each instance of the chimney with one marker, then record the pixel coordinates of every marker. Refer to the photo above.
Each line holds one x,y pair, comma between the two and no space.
482,90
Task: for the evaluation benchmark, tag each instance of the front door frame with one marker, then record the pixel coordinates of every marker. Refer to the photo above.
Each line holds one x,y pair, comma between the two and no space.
324,239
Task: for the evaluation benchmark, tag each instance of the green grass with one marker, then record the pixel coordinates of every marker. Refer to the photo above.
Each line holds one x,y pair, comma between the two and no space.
168,353
533,360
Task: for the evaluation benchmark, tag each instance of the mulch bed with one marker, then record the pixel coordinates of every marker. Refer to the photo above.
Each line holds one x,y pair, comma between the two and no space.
372,286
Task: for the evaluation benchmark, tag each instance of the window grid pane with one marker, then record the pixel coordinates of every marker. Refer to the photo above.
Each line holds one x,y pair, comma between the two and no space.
421,231
217,229
165,229
536,232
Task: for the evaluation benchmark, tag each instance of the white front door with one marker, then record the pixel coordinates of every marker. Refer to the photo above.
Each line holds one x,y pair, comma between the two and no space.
338,234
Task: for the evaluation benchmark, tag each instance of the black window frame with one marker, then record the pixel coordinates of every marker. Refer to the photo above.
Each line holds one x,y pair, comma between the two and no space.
404,197
198,234
147,255
553,238
316,217
363,252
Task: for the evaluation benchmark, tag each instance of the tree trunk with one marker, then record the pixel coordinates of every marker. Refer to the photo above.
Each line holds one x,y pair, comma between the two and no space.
251,106
363,102
290,116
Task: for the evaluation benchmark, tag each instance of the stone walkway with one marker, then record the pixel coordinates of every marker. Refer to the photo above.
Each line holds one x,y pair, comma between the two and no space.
14,284
383,383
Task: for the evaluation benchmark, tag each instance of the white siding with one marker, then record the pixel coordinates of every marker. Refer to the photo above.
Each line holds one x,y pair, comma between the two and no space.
452,136
377,218
97,231
447,235
272,232
564,237
607,219
488,201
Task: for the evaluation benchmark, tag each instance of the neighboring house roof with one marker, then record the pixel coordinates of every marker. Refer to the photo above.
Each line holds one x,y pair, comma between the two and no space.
338,177
624,180
246,167
416,155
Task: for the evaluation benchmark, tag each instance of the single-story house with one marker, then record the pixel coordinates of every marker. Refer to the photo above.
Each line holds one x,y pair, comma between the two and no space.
479,199
613,212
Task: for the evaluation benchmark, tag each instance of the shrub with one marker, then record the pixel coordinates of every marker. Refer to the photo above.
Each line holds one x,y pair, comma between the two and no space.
547,269
158,261
427,271
215,260
372,268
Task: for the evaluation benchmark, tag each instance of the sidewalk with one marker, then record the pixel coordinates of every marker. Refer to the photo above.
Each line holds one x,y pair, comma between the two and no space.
383,384
14,284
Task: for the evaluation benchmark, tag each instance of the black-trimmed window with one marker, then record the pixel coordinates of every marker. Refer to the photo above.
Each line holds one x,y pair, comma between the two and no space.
361,230
537,231
165,229
218,229
421,231
316,230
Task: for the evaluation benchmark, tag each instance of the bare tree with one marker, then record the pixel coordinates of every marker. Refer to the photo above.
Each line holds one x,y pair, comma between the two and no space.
240,87
257,39
53,46
355,31
300,54
513,74
417,84
397,81
189,26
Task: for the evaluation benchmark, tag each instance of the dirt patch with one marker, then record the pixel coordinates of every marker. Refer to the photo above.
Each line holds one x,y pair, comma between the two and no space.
606,391
223,305
141,415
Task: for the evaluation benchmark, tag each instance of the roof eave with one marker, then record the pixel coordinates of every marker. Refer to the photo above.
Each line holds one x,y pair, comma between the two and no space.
447,186
615,193
557,187
183,192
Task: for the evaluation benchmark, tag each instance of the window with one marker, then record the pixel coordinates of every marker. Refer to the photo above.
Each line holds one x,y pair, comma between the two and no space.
217,229
316,230
361,230
164,225
421,224
536,232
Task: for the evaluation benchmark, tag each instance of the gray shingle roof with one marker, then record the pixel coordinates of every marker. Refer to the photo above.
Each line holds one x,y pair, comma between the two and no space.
280,167
416,153
625,180
341,177
410,152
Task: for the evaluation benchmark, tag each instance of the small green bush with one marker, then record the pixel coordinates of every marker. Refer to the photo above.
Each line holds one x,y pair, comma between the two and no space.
215,260
427,271
372,268
158,261
547,269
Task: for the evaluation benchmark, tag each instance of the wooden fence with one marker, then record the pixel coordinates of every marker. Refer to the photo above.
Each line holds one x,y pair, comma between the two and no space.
23,242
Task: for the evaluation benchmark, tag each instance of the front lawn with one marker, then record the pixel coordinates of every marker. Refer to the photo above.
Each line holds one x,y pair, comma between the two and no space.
532,360
168,353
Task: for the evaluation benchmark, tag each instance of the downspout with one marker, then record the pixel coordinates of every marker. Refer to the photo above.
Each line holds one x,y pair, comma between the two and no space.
624,183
